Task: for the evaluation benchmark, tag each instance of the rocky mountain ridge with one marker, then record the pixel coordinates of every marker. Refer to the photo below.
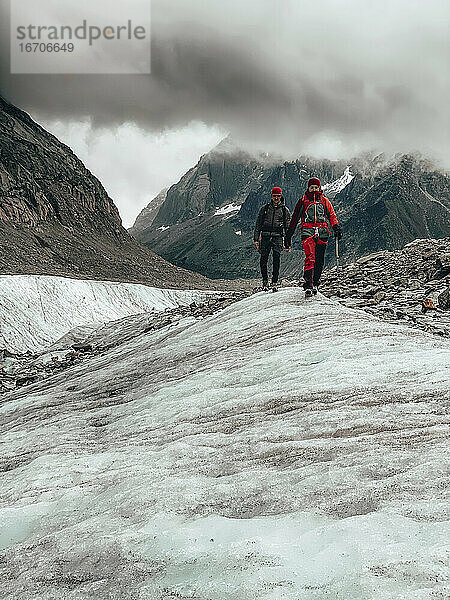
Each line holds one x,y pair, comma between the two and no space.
147,215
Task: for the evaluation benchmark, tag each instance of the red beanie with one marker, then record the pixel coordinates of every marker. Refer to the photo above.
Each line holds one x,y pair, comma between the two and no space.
276,190
313,181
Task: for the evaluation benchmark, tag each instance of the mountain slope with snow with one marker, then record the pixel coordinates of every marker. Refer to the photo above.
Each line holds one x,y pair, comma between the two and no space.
147,215
36,310
276,450
331,189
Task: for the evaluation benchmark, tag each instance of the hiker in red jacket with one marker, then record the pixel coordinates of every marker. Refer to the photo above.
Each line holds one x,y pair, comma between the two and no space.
313,210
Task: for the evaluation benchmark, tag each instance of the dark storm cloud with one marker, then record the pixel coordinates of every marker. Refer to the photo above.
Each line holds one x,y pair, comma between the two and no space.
330,76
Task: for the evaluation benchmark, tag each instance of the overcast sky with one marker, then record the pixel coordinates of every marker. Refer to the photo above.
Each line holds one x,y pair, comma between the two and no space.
324,77
133,164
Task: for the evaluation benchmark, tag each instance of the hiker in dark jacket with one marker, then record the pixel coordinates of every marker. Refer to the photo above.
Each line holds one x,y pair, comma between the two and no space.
271,226
313,210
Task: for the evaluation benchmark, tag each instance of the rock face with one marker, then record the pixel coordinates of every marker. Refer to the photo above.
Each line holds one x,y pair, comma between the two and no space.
381,205
393,205
147,215
56,218
394,285
223,176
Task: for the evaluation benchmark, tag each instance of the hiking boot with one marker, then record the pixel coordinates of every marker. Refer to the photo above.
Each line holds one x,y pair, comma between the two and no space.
265,285
274,285
315,290
308,279
308,293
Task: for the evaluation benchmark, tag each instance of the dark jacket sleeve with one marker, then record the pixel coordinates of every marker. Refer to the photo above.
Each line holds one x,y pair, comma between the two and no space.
294,220
259,224
288,220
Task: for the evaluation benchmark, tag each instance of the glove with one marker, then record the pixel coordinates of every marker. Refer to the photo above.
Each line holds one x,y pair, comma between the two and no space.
287,242
337,231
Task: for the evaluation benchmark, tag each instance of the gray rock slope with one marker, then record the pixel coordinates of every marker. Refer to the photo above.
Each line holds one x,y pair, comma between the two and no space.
148,214
394,285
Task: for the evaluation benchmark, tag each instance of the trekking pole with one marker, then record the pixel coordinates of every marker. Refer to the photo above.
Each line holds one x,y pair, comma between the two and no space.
338,287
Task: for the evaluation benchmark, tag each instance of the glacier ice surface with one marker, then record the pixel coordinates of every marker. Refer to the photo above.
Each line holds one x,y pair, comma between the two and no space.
276,450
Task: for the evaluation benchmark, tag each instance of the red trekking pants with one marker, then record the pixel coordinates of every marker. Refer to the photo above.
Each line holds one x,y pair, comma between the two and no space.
314,249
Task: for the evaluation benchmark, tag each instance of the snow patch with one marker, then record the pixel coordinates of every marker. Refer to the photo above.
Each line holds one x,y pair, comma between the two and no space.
36,310
339,184
432,199
163,227
229,208
238,232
